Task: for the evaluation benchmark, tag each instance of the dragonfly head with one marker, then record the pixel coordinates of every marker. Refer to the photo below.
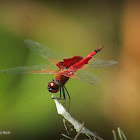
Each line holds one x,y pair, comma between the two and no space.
53,86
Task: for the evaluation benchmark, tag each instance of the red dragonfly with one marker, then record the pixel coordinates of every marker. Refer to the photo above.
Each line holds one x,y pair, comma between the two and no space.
74,67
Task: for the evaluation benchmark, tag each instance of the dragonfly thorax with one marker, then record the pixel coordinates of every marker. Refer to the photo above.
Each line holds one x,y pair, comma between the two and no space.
53,86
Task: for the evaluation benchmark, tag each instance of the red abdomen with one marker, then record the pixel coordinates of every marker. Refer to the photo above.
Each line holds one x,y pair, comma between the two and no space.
85,60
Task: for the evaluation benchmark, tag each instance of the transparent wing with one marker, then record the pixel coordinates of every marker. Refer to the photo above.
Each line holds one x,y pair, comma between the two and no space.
86,77
44,51
98,63
38,69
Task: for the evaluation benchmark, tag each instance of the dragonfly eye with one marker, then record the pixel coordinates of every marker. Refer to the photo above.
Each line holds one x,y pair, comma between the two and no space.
53,87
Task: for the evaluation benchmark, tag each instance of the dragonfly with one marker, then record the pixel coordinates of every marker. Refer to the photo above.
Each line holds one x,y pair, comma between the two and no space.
65,68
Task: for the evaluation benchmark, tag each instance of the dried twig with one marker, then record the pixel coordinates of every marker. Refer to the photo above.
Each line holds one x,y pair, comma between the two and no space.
91,138
79,131
66,136
62,111
64,121
80,127
120,132
114,135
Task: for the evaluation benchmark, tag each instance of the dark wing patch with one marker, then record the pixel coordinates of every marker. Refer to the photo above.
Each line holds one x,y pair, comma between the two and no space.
66,63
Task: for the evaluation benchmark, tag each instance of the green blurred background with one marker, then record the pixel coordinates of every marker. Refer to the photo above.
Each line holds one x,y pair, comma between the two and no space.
74,28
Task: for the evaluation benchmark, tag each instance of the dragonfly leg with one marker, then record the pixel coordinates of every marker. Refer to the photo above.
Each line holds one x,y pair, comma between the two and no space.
69,97
60,98
63,90
60,92
67,93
